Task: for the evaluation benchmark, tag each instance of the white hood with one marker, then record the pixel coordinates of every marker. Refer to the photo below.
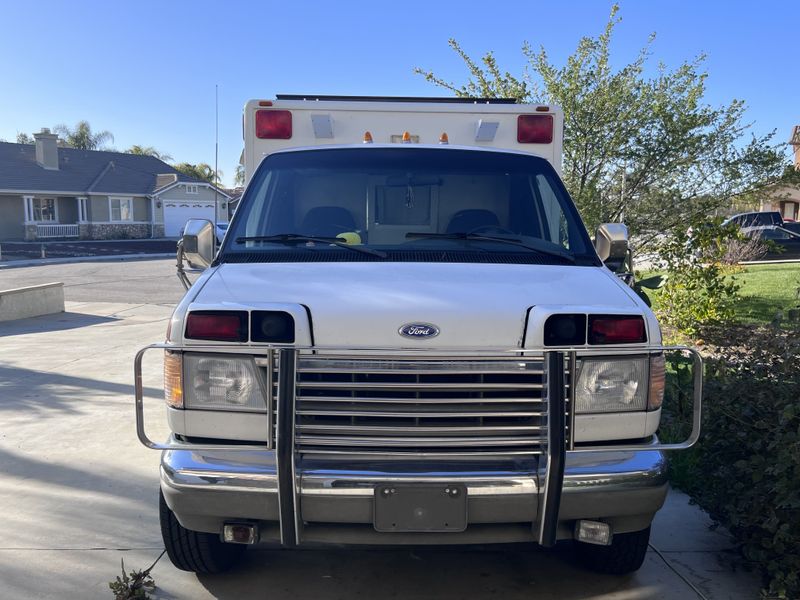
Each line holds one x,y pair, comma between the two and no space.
365,304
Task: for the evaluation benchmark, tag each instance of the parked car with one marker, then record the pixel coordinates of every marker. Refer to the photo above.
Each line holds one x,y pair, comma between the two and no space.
793,226
756,219
220,229
785,243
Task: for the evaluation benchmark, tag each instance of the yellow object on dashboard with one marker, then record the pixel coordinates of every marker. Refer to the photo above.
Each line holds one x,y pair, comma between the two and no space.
350,237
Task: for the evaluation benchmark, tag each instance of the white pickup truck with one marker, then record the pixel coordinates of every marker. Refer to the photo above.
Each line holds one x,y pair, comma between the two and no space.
408,337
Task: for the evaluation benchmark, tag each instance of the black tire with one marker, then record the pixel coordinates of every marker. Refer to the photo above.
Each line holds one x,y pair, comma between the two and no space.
195,550
625,554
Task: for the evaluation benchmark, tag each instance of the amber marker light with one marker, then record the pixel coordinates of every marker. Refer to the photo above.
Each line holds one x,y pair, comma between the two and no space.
443,139
406,137
173,379
367,137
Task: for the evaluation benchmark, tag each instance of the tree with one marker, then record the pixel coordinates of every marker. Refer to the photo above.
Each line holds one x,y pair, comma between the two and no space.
200,171
83,137
646,149
148,151
24,138
238,178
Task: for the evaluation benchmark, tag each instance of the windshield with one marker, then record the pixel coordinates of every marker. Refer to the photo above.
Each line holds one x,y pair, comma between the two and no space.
404,203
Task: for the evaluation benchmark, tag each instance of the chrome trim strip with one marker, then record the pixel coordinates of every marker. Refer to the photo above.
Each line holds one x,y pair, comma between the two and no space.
410,386
556,451
420,400
284,443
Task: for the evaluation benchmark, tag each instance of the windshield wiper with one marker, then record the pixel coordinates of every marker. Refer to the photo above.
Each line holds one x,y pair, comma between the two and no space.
296,238
479,237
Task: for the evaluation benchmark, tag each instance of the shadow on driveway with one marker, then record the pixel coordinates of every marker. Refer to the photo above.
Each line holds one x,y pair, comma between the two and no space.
45,392
61,322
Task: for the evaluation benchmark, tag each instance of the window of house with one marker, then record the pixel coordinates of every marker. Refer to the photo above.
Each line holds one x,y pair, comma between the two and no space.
44,209
192,189
121,209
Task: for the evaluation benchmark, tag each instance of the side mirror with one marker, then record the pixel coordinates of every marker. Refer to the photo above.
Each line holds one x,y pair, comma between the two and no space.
611,243
198,243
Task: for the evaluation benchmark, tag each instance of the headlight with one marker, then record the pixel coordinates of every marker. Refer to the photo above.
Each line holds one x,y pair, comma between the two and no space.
612,385
222,382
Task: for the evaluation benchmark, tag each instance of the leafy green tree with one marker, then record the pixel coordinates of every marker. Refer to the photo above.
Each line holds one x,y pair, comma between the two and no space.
24,138
238,178
646,149
200,171
82,136
148,151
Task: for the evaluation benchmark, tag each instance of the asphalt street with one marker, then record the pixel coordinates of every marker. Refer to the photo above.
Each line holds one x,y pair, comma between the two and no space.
78,492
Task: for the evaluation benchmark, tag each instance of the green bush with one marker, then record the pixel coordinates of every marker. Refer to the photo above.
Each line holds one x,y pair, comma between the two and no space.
745,470
697,291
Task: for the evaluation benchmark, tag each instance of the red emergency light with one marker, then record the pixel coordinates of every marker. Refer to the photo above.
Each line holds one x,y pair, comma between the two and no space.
616,329
273,124
535,129
221,326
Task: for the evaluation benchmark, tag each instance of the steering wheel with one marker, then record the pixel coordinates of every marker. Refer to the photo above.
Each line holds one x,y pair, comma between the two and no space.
492,229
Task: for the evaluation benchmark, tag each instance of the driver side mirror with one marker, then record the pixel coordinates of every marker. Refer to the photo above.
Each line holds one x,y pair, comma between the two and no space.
611,243
198,243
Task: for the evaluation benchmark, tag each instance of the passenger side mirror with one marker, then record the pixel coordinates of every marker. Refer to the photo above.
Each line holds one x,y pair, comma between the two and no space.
198,243
611,243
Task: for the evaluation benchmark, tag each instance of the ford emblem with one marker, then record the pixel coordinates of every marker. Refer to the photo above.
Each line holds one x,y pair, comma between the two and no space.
419,330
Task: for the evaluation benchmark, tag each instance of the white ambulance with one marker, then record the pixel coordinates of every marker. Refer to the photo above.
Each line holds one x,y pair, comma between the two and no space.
407,336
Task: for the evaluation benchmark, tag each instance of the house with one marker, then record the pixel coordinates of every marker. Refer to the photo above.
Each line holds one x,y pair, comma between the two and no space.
786,200
50,191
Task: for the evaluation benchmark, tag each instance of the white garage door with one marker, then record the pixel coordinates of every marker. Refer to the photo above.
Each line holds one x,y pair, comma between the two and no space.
177,212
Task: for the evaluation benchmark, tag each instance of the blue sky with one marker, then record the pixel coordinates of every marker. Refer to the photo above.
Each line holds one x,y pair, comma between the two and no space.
146,70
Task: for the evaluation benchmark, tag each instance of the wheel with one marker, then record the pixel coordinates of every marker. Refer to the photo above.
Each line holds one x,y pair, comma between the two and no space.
195,550
625,554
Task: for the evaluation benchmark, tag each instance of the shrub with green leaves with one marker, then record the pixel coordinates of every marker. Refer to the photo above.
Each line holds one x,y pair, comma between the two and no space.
745,470
697,291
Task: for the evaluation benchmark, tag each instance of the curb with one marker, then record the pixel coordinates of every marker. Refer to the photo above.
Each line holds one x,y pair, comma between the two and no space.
81,259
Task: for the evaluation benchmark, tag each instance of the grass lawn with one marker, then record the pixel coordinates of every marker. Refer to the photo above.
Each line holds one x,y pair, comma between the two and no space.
766,289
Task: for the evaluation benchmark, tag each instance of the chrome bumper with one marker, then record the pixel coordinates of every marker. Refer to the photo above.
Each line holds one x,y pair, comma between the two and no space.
301,500
205,489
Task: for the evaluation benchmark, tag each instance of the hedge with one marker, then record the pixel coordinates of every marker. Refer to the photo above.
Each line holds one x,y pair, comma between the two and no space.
745,470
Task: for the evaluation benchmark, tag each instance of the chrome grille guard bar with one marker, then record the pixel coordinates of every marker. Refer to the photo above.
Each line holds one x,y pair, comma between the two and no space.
560,409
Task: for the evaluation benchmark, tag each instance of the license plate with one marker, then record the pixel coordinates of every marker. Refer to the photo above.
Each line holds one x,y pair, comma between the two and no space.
420,508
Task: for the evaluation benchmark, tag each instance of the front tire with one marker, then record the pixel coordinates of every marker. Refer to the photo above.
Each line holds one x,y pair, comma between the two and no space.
195,551
625,554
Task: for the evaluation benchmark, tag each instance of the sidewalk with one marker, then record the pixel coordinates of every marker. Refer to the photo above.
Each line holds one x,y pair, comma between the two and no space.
79,493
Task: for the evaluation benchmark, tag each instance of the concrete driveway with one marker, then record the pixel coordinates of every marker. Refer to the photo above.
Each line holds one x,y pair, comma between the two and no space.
78,492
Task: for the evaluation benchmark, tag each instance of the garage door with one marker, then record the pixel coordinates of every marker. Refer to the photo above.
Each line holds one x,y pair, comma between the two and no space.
177,212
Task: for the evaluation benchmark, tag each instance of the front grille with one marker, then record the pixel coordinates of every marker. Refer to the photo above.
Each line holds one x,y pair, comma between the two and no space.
400,405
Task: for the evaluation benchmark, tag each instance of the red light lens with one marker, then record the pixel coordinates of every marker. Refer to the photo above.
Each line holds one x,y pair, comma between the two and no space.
535,129
616,329
273,124
226,326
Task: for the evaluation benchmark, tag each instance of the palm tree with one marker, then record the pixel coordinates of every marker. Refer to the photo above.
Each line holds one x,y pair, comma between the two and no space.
148,151
200,171
83,137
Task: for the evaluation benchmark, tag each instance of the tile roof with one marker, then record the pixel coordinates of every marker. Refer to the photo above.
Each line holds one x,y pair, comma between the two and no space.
82,171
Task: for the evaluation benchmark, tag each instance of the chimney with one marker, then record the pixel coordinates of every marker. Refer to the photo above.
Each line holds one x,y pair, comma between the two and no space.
46,149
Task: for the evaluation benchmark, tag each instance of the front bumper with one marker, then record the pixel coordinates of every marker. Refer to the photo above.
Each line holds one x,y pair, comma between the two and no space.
206,489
